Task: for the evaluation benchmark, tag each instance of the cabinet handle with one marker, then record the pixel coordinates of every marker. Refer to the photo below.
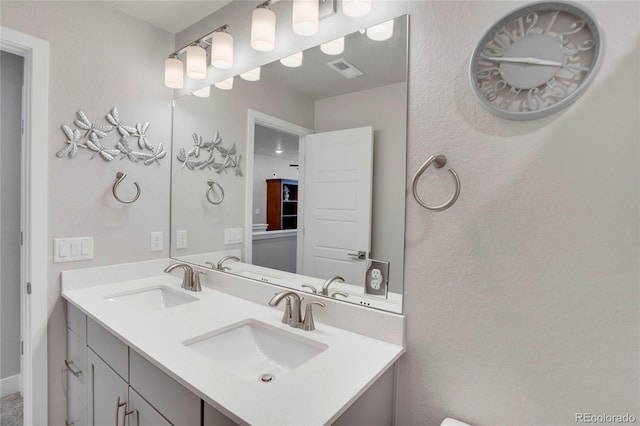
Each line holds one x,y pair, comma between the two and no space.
74,372
126,413
361,254
68,423
118,405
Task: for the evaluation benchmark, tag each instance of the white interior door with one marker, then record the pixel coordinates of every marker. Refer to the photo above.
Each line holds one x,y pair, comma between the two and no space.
336,206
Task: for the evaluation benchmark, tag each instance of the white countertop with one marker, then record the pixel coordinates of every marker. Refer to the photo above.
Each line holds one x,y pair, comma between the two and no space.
316,393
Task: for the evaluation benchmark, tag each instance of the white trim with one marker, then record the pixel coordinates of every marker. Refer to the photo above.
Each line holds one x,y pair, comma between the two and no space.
256,117
35,251
10,385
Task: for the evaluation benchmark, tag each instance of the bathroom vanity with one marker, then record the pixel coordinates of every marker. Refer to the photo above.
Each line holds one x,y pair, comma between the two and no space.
142,350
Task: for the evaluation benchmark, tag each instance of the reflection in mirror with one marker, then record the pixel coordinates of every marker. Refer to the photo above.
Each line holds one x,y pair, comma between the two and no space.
310,167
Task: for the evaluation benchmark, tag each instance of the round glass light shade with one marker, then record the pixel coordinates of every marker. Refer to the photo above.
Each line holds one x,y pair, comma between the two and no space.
173,73
263,29
203,93
356,8
292,61
333,47
251,75
381,32
305,17
196,62
225,84
222,50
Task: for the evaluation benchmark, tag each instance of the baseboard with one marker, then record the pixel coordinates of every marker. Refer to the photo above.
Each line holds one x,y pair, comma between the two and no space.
10,385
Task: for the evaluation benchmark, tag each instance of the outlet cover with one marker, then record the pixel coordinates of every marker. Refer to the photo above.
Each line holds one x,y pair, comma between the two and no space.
181,239
156,241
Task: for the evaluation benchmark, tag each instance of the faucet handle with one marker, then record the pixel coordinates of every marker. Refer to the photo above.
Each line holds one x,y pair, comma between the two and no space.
196,280
288,313
308,324
211,265
310,287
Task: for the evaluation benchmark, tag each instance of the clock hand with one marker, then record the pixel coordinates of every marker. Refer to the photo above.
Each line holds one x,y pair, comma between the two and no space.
532,61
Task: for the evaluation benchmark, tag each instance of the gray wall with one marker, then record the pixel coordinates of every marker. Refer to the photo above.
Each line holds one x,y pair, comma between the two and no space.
10,116
99,58
264,167
385,109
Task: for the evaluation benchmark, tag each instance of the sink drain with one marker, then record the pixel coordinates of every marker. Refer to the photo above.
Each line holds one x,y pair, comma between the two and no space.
267,378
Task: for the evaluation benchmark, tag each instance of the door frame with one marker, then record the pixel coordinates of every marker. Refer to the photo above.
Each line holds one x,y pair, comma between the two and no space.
256,117
34,193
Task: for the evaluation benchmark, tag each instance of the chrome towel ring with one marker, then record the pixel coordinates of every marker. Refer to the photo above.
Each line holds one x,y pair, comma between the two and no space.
119,178
211,183
439,160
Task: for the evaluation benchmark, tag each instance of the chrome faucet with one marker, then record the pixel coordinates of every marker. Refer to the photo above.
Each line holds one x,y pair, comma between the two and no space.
327,283
292,312
219,266
190,279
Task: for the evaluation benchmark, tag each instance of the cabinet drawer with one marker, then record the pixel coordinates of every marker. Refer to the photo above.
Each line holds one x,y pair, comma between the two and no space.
77,321
77,359
76,412
109,348
213,417
170,398
143,413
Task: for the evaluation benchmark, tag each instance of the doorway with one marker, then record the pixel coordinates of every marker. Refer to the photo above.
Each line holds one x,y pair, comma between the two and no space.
32,231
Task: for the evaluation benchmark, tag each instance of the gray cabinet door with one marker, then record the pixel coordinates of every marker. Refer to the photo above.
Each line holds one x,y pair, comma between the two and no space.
107,394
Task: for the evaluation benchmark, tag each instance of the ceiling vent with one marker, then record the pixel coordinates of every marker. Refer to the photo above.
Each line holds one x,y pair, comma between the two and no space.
345,68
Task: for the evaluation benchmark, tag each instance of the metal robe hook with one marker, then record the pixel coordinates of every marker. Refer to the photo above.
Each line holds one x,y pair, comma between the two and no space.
211,183
440,161
119,178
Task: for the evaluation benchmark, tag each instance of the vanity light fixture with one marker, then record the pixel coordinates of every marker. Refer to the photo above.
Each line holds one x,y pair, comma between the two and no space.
173,72
196,62
225,84
333,47
222,50
381,32
251,75
203,93
292,61
305,17
356,8
263,28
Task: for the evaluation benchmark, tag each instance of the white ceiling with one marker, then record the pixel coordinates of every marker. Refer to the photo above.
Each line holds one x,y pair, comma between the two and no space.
267,140
173,16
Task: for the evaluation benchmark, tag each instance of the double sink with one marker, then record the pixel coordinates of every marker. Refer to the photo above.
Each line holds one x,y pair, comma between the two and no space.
250,349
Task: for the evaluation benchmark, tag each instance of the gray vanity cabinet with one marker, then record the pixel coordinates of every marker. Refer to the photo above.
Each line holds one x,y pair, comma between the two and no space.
108,393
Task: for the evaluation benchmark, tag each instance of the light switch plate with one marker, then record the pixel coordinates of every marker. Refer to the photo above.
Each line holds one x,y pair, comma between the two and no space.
72,249
233,235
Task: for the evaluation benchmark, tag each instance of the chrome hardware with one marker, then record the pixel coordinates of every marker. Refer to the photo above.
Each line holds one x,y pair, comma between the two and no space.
440,161
68,423
119,178
211,183
327,283
308,324
295,318
310,287
287,315
118,405
128,413
339,293
211,265
219,266
361,254
190,279
71,370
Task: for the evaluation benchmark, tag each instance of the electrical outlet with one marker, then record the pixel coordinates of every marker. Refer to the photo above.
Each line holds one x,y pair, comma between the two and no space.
156,241
257,211
181,239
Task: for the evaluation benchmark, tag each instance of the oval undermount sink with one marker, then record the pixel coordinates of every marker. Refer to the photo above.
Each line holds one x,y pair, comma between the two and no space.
152,298
255,350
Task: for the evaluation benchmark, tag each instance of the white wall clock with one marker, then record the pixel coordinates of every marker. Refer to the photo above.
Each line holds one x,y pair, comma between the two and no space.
537,60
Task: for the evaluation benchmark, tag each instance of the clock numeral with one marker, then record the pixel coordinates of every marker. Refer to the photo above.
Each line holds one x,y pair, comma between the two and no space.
554,16
570,49
487,73
490,91
532,20
573,28
556,90
508,100
575,68
492,50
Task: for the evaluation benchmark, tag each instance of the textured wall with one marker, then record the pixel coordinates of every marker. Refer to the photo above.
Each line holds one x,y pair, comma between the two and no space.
10,117
99,58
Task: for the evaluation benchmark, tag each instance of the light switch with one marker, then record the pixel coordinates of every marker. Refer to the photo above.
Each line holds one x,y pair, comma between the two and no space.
72,249
75,248
63,248
233,235
87,247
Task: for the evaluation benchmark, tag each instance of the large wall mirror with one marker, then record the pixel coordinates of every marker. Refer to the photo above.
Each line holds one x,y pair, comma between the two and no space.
298,176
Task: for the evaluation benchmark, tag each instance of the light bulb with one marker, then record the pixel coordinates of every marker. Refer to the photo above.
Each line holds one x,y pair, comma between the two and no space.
263,29
196,62
222,50
333,47
381,32
173,73
305,17
251,75
292,61
225,84
203,93
356,8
